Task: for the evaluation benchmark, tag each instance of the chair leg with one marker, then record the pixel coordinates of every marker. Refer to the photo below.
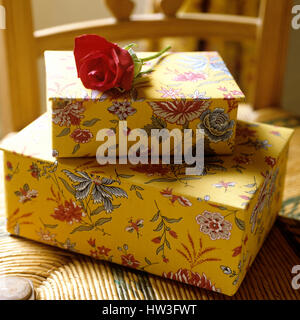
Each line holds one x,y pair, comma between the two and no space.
19,66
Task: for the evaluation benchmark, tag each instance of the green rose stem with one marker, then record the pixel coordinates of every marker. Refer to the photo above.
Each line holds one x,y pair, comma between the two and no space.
139,62
158,54
131,45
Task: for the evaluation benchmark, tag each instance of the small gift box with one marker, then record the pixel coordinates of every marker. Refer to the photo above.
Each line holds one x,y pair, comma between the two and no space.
184,90
202,230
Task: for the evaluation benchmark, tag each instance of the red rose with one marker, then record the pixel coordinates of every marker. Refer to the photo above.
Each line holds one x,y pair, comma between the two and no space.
81,135
102,65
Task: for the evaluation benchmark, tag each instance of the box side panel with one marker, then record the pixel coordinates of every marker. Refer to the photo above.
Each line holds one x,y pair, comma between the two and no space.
75,123
117,219
263,210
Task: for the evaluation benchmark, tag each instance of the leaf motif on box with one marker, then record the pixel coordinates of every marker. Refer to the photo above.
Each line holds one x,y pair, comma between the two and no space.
64,132
90,123
240,223
82,228
101,221
76,148
164,231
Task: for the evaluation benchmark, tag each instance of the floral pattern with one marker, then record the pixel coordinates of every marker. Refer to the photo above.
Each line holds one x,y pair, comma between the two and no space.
101,189
69,212
180,88
128,260
271,161
224,185
135,226
171,93
216,125
266,192
81,135
193,257
68,113
205,236
164,229
25,194
12,171
122,109
181,111
173,198
193,278
214,225
46,235
189,76
152,169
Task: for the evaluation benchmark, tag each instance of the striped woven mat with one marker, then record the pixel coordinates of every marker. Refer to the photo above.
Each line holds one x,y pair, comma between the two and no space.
59,274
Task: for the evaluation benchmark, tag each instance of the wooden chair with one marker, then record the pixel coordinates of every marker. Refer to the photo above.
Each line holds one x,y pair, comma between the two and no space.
20,46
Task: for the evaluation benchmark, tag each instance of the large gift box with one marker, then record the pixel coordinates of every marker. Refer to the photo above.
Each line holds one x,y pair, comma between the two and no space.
185,90
202,230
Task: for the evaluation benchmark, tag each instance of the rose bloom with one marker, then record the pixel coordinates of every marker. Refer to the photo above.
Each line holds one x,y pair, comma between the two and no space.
81,135
102,65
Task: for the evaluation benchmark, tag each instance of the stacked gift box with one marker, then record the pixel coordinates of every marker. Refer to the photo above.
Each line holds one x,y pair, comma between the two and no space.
204,230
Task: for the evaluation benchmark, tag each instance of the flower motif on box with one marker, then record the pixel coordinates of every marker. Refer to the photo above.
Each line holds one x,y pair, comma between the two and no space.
216,125
191,277
266,192
214,225
25,194
68,113
180,111
122,109
81,135
101,189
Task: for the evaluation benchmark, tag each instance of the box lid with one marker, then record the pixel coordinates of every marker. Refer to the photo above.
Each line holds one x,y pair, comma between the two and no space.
230,181
181,75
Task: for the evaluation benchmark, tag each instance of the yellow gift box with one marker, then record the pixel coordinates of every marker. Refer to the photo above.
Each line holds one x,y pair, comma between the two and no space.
185,90
202,230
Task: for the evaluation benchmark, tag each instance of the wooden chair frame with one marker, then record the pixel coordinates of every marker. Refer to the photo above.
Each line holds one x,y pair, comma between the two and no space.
20,46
